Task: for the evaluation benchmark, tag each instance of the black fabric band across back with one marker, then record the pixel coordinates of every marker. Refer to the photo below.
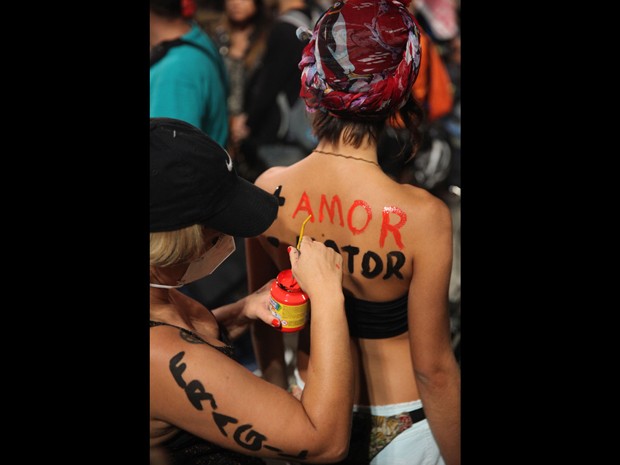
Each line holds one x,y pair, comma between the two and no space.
417,415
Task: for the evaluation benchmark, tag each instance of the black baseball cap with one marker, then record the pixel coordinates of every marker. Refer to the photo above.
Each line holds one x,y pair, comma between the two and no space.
193,181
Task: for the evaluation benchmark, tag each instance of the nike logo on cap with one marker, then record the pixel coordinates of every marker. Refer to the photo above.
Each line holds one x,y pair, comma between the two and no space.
229,163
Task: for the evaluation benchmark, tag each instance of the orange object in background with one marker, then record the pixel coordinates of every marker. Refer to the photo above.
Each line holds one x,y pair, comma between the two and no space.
433,84
433,87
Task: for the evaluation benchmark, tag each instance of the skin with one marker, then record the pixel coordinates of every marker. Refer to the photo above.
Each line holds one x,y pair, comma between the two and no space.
240,13
197,388
162,29
418,364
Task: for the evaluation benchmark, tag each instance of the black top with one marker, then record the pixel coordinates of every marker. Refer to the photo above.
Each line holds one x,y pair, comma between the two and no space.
376,320
187,449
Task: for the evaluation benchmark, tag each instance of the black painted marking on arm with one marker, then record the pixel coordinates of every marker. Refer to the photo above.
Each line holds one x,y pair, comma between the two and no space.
222,420
273,241
196,394
244,435
252,441
177,369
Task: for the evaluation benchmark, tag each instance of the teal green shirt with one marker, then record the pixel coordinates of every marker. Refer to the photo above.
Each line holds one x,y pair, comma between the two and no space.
187,84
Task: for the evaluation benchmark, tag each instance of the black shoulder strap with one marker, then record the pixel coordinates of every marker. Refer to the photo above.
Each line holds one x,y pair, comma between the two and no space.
226,350
161,323
160,51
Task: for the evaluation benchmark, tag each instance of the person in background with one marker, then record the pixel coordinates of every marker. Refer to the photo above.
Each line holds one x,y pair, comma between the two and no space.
433,89
204,407
241,36
257,129
396,239
188,79
441,19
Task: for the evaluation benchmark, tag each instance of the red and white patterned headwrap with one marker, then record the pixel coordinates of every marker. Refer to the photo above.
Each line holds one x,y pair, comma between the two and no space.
362,59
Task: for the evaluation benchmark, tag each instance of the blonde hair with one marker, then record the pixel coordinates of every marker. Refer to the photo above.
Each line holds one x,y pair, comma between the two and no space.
172,247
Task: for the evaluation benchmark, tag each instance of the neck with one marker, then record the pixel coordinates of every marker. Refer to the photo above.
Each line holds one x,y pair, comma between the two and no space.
163,29
169,275
169,309
367,151
160,296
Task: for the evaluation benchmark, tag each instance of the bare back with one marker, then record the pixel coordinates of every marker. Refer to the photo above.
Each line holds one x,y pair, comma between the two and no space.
376,224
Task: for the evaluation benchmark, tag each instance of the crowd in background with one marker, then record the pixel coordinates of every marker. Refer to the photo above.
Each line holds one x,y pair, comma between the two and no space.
261,53
244,59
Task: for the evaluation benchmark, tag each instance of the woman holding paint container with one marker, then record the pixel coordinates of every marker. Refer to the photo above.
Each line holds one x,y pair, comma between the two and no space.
206,408
395,239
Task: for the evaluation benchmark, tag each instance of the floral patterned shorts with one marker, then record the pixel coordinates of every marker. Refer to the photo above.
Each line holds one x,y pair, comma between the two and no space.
370,434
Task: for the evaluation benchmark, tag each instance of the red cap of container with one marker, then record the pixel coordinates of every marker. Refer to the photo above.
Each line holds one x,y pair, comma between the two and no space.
287,282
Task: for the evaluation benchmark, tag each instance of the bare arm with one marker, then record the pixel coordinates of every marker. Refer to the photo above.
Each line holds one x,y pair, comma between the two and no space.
197,388
238,316
437,372
268,343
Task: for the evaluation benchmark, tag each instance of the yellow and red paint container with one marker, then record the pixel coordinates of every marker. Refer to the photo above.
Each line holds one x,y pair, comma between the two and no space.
288,303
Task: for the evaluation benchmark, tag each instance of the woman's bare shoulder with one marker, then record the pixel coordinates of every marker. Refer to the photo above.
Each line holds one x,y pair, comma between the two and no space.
164,338
430,211
270,179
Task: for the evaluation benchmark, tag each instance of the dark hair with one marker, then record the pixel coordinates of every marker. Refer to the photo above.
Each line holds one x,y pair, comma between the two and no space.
261,11
166,8
258,38
412,116
329,127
